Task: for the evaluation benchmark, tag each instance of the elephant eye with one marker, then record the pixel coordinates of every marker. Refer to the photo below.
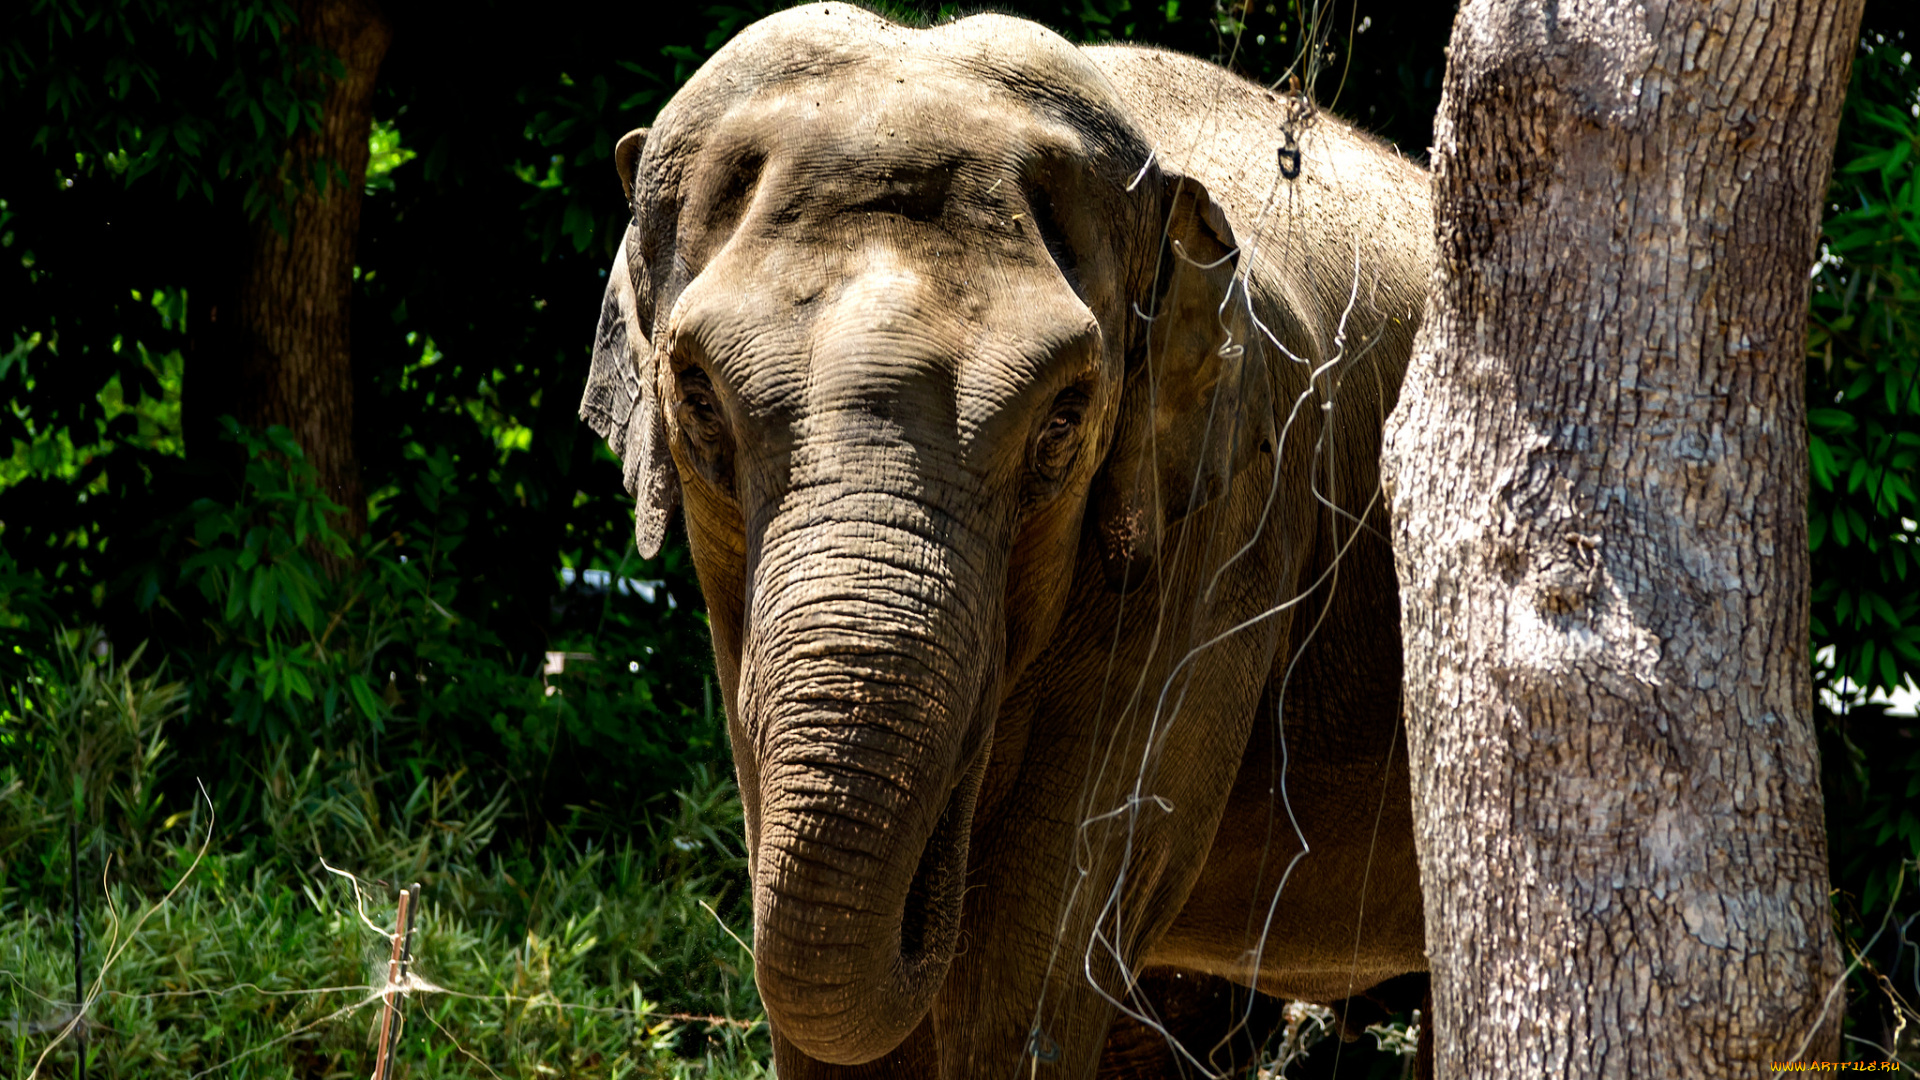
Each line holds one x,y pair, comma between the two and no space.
699,415
704,427
1059,441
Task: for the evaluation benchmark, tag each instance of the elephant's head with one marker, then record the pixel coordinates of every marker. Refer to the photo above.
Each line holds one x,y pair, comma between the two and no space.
910,323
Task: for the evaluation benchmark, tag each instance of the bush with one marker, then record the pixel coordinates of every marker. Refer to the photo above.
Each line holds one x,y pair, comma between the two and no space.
375,662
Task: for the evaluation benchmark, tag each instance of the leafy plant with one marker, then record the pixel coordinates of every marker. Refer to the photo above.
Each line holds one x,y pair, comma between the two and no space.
1864,385
98,70
1863,389
380,662
287,646
87,742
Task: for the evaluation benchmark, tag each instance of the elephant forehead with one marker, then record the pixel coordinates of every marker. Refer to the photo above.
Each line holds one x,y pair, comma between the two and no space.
804,192
817,160
909,221
856,110
825,110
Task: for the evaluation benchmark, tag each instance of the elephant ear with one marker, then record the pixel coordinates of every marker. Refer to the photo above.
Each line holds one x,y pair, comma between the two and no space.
1197,406
626,159
622,402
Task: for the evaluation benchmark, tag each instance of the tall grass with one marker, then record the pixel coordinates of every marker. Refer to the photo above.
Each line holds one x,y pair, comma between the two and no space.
227,947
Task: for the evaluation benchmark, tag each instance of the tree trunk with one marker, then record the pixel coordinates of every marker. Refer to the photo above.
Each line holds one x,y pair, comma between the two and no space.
1598,478
275,347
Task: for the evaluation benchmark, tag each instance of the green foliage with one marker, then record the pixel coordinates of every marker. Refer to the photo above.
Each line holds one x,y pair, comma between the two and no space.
1863,390
376,659
385,154
282,649
143,137
1864,407
236,87
89,746
26,622
274,652
1864,384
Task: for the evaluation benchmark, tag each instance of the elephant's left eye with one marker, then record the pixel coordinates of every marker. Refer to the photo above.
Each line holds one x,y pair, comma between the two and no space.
1059,441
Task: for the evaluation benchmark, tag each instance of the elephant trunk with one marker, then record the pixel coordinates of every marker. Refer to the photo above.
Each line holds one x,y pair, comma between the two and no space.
863,680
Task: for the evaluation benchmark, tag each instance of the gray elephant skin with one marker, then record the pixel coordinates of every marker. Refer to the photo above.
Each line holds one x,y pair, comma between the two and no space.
1024,418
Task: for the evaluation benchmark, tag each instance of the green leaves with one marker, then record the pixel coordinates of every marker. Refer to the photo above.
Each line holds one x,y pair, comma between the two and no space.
287,638
1864,383
385,154
370,704
194,95
1863,393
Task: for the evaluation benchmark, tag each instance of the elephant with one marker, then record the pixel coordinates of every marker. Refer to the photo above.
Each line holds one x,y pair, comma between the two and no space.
1022,402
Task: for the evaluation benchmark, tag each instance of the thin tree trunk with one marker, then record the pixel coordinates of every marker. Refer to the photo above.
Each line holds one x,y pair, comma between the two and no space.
276,346
1598,479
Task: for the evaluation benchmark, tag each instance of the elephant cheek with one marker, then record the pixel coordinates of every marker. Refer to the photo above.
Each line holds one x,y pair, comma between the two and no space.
1040,580
1126,533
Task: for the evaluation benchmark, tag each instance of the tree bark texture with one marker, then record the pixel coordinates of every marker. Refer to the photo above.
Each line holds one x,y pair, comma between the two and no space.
1598,479
277,348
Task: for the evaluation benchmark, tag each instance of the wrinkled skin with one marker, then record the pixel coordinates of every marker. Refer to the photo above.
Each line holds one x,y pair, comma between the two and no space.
1025,420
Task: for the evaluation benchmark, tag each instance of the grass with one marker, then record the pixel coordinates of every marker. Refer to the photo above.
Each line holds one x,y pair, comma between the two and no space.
244,974
228,948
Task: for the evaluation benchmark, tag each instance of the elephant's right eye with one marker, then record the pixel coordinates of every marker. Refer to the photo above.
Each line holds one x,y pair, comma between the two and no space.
704,426
1059,440
699,412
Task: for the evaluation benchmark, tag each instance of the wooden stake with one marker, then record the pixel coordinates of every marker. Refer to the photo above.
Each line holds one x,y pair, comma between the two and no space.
390,1020
79,982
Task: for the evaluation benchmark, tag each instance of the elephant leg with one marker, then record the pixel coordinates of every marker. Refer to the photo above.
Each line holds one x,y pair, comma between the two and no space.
918,1057
1313,869
1071,887
1113,761
1222,1025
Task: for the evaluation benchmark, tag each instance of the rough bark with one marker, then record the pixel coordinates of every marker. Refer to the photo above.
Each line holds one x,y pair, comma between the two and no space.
1598,472
276,345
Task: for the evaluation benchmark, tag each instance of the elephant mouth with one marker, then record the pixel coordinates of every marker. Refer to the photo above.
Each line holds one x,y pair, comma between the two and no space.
930,917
